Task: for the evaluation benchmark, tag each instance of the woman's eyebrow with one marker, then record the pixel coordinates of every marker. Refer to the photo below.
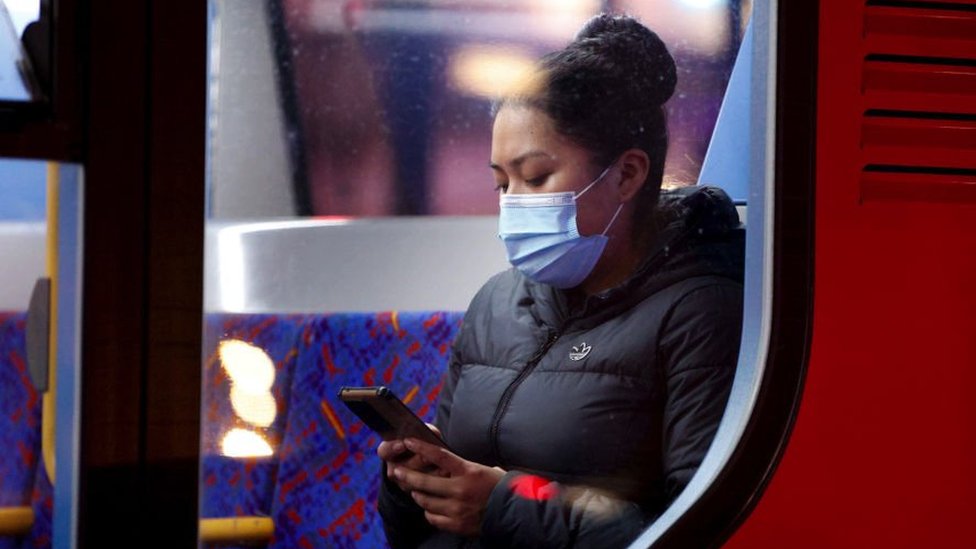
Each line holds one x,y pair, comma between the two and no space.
518,160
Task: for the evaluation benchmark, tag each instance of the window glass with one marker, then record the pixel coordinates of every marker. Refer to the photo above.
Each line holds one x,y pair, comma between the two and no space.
22,247
352,216
39,338
22,13
23,222
383,107
16,74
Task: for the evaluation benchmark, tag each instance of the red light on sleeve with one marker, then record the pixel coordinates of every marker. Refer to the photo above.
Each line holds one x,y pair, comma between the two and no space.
533,487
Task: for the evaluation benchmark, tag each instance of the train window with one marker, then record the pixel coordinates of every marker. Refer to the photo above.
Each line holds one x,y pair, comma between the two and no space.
352,217
39,335
22,13
383,108
17,72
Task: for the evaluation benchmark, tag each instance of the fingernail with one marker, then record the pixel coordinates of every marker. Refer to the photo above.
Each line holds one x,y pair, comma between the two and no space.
410,443
398,447
397,472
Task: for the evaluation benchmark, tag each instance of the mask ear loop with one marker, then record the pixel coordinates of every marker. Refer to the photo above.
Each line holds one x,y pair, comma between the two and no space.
590,186
612,219
595,181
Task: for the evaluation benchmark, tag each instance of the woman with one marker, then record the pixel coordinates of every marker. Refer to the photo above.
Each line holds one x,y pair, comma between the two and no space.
587,383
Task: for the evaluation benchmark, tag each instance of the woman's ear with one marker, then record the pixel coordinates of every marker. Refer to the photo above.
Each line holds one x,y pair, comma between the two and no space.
634,166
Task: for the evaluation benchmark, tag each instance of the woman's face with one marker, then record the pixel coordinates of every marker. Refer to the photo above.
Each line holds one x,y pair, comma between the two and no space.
528,155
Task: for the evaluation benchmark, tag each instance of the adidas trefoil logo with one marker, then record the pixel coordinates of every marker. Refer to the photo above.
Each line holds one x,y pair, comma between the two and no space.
579,353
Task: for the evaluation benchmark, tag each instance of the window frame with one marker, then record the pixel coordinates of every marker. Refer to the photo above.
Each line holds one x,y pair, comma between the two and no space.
777,330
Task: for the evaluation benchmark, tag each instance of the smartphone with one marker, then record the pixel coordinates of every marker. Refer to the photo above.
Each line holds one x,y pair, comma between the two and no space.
386,414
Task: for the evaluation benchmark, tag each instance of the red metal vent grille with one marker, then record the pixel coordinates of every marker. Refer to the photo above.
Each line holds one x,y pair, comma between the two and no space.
918,130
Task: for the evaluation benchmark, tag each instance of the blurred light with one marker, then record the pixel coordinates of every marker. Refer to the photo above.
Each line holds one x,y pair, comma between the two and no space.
230,261
248,366
486,71
697,27
703,4
238,247
258,409
241,443
252,373
560,20
588,7
22,12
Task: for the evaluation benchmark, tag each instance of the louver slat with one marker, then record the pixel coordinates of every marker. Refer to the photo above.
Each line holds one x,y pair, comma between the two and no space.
920,32
912,84
918,133
919,141
918,187
951,4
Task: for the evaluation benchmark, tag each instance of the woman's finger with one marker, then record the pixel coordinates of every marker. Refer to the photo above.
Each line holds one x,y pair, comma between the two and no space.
439,456
414,480
415,462
440,522
390,450
434,504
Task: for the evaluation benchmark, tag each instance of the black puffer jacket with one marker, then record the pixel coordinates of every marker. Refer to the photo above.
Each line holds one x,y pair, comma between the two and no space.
613,398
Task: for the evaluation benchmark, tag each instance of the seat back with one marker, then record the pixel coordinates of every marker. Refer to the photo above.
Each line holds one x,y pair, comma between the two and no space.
328,481
235,485
20,434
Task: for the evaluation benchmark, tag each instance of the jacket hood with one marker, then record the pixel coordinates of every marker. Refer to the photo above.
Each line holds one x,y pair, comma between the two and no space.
697,233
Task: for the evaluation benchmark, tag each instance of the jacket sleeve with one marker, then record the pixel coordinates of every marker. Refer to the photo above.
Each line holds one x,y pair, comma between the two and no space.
403,520
699,350
446,399
526,511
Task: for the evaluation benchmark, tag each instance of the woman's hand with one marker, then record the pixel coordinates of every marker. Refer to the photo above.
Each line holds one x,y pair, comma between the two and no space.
395,453
454,497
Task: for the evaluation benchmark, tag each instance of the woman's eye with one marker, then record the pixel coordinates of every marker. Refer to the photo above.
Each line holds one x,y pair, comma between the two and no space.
536,181
501,187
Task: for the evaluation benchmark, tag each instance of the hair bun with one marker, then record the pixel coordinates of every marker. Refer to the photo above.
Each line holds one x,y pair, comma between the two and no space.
635,51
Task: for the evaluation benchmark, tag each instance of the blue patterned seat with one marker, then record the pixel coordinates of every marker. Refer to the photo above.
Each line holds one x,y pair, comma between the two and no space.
242,486
20,429
328,478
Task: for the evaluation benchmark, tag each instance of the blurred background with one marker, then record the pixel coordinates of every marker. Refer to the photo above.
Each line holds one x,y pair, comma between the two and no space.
382,107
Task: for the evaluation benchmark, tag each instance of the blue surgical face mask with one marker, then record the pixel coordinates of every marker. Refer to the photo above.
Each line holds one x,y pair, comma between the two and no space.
542,238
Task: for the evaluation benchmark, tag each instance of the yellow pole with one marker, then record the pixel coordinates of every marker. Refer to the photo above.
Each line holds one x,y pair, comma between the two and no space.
236,529
48,420
16,521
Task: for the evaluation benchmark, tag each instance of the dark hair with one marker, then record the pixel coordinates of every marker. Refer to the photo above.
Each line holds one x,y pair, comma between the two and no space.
606,92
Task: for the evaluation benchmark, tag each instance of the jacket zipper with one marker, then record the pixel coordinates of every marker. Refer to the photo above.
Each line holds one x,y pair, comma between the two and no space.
507,395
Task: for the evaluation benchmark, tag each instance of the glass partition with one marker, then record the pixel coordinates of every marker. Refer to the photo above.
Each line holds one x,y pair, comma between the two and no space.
383,108
17,79
352,217
22,13
39,319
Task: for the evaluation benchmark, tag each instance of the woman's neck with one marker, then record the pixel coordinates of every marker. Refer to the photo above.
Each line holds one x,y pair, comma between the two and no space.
620,260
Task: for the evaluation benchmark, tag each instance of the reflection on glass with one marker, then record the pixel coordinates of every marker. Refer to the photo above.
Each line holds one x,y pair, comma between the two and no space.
39,218
22,230
251,372
383,107
239,443
258,409
360,109
14,67
487,71
22,190
22,262
22,13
